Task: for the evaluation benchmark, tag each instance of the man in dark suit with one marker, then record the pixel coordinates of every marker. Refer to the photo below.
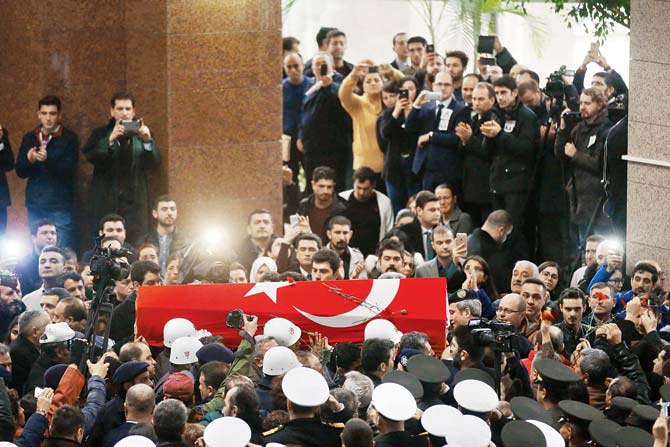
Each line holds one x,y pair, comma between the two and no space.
25,350
419,232
139,408
488,241
512,143
6,164
446,263
437,158
402,60
142,273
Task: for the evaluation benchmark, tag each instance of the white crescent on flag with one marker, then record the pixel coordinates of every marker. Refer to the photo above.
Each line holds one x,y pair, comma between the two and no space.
382,293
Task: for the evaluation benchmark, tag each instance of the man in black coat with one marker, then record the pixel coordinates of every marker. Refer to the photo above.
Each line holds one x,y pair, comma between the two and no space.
325,130
121,160
488,241
6,164
419,232
511,141
142,273
25,350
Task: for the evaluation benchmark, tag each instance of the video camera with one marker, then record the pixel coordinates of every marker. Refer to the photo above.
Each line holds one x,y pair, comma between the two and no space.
104,264
556,90
501,336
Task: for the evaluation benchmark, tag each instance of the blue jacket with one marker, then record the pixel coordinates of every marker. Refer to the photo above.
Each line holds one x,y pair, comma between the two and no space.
33,431
50,183
442,153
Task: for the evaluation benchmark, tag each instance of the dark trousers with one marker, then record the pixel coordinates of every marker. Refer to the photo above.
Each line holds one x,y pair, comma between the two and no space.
297,159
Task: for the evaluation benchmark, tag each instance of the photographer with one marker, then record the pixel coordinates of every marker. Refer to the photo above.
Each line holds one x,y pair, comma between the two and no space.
582,149
122,152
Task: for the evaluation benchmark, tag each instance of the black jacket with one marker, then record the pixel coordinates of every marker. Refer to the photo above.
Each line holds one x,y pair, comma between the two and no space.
23,354
36,374
6,164
500,263
308,432
415,237
27,272
307,205
513,150
396,143
123,318
398,439
476,164
586,167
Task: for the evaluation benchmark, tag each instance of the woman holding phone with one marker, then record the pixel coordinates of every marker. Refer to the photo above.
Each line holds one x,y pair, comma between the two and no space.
398,146
364,111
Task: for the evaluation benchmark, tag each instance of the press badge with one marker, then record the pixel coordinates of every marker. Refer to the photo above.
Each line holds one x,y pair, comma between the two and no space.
592,139
444,119
509,126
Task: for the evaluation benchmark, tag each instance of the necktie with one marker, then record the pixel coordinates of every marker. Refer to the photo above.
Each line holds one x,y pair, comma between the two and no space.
438,116
430,253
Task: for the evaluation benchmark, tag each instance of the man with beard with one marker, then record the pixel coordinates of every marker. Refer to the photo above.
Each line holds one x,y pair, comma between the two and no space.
534,292
323,203
339,234
165,235
456,62
644,280
389,254
582,148
10,301
572,302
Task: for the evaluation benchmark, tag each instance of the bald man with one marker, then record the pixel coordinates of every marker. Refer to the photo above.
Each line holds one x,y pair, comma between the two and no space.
139,408
293,88
512,308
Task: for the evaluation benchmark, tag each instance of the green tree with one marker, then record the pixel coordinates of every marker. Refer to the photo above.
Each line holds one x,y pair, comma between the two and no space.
603,14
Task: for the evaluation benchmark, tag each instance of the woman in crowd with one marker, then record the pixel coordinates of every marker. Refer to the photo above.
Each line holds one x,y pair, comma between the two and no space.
477,266
550,274
364,111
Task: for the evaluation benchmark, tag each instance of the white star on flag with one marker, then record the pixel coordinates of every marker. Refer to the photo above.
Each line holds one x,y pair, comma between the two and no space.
268,288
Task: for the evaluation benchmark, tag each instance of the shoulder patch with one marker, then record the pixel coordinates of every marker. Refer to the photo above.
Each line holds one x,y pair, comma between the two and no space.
336,424
273,431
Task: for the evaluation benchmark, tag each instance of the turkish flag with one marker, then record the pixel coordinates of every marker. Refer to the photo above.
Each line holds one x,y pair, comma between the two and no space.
337,309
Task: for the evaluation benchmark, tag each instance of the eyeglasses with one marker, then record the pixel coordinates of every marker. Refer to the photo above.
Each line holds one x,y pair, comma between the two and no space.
504,310
616,281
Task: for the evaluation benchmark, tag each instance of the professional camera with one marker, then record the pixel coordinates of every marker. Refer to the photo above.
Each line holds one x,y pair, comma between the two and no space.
104,264
559,94
555,84
235,319
501,336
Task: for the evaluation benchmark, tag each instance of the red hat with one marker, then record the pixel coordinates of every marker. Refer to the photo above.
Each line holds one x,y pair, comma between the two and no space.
179,386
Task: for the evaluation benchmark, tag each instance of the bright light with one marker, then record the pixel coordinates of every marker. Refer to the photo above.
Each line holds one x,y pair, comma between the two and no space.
213,237
12,249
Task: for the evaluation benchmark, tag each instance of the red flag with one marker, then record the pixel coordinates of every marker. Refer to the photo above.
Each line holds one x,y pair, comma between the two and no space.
337,309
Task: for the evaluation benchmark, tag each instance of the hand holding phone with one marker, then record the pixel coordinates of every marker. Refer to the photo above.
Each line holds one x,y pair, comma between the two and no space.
430,48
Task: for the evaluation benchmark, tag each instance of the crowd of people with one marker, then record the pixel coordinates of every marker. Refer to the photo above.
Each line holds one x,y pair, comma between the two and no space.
413,169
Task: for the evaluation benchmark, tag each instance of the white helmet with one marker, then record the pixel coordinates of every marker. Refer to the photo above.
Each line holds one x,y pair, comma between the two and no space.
383,329
285,332
278,360
175,328
184,350
227,432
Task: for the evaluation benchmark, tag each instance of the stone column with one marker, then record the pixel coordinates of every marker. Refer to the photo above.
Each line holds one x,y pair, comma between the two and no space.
648,231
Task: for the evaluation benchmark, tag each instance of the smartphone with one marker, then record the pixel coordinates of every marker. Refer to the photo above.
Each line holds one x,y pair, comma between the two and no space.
403,93
293,219
38,391
434,96
324,70
487,60
666,408
430,48
595,47
373,69
485,44
461,239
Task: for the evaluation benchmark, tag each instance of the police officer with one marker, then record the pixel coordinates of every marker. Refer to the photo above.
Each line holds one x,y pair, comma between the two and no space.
306,390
